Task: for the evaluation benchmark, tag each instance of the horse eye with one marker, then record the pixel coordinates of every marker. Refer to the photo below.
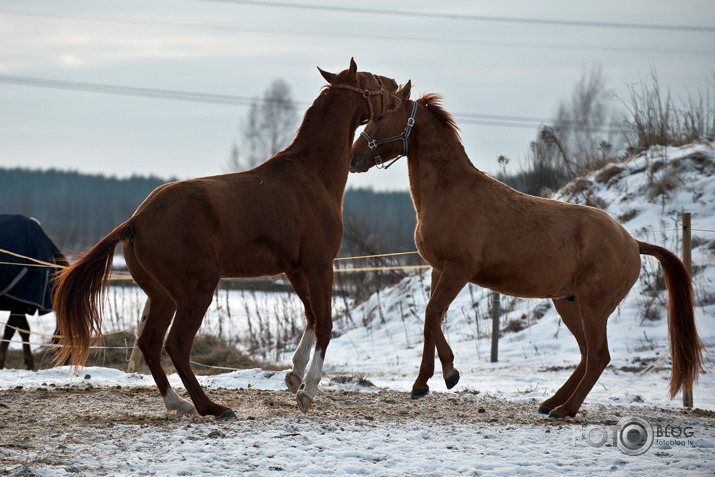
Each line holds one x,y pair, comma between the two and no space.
379,118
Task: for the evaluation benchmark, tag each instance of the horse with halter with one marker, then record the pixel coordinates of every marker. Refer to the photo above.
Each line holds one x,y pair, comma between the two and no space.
25,284
473,228
283,216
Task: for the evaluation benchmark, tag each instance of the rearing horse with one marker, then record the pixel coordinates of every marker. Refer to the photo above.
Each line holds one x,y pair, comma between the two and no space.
284,216
472,228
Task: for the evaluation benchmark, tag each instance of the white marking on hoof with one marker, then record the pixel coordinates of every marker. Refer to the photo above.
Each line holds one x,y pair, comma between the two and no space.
174,403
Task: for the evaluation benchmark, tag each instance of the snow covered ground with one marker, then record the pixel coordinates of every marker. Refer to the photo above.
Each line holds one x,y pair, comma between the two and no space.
382,342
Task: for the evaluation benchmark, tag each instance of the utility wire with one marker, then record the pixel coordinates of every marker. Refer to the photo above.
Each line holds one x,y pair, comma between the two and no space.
372,37
156,93
461,16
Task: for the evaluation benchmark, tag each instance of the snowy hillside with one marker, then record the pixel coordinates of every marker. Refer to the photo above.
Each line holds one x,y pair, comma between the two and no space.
647,194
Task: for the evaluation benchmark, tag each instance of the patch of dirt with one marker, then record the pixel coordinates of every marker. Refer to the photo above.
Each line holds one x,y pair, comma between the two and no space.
25,413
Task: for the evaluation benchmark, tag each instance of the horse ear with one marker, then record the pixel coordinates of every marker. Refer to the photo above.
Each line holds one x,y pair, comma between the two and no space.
353,66
329,77
404,92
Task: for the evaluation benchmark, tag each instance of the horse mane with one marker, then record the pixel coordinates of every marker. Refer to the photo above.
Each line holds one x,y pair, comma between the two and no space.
433,102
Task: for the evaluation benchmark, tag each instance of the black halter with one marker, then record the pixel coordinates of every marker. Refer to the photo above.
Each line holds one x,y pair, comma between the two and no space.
372,143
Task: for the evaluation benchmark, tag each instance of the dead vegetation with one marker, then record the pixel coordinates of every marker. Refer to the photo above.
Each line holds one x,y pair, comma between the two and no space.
208,351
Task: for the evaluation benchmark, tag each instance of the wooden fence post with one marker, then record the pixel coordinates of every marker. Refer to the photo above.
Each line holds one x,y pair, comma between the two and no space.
495,312
687,261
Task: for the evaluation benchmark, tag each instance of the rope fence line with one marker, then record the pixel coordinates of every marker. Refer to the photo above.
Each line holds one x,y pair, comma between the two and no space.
45,335
113,276
120,276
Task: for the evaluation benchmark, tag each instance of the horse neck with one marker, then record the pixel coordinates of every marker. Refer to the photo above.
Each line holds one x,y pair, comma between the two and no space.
437,160
325,137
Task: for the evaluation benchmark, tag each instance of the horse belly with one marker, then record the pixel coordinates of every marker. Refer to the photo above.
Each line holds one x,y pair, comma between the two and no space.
525,285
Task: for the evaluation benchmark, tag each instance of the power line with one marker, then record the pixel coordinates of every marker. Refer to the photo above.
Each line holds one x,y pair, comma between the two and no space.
157,93
128,90
372,37
461,16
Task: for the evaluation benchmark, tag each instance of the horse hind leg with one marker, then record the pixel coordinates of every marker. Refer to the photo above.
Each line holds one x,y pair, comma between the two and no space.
294,378
189,315
594,310
569,311
150,343
151,338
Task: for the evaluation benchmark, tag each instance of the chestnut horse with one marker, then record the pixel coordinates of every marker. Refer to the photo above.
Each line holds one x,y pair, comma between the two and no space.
472,228
284,216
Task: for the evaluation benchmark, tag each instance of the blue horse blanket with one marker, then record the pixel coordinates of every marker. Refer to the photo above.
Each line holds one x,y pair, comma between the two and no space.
20,281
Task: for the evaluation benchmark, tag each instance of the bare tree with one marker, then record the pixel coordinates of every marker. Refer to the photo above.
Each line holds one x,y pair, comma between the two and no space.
584,126
269,126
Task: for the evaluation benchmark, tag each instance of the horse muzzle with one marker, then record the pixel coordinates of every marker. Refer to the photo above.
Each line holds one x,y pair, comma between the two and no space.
358,163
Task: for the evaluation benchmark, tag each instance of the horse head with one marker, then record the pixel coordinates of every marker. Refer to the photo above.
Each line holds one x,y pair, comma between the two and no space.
378,91
391,131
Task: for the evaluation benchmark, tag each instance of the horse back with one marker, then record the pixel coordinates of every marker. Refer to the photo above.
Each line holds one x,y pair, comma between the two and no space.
253,223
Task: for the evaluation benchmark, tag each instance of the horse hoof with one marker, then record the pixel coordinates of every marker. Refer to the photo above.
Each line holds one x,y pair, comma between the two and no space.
555,415
419,393
304,402
227,415
293,382
452,380
544,410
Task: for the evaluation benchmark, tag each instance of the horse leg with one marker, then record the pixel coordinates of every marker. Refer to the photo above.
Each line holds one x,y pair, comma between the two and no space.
594,310
320,284
150,343
448,287
23,324
189,315
6,337
302,353
136,355
569,311
421,388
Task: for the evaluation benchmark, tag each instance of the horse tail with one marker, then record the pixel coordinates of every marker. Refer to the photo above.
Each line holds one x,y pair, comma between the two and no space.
78,295
686,348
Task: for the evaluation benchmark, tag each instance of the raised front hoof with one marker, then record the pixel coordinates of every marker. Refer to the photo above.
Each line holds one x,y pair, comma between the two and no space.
228,415
544,410
452,380
419,393
304,402
293,382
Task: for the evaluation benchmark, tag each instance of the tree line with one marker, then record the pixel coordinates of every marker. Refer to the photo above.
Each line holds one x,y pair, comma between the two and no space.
77,210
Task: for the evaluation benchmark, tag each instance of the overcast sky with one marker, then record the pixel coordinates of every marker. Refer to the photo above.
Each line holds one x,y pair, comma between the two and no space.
492,61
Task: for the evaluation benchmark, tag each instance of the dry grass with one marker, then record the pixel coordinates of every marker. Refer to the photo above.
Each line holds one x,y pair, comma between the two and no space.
208,350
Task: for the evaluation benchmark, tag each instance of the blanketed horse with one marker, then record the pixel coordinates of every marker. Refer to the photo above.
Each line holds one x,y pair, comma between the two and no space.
25,285
472,228
284,216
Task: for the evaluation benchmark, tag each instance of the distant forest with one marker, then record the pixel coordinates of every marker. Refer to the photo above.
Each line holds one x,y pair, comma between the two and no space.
76,210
